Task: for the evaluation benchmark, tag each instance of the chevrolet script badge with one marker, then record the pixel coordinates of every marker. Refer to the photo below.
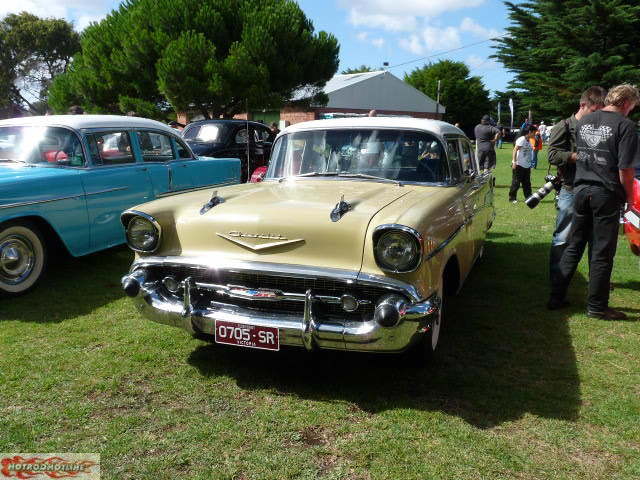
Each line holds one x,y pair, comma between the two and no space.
238,238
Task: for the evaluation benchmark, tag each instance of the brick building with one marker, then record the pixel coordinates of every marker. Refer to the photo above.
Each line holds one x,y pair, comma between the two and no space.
353,94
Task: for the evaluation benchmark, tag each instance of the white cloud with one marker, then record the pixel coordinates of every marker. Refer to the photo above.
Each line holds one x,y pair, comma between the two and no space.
362,36
400,15
85,20
377,42
471,26
92,10
387,22
441,38
412,44
432,39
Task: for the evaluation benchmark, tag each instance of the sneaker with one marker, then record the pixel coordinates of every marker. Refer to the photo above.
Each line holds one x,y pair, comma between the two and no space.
607,314
553,304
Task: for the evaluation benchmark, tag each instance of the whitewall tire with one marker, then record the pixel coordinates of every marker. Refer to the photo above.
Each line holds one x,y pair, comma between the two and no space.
23,257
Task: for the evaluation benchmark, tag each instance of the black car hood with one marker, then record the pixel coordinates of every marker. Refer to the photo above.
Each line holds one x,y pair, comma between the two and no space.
205,149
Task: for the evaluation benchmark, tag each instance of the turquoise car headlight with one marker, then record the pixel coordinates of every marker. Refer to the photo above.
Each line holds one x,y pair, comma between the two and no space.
397,249
143,233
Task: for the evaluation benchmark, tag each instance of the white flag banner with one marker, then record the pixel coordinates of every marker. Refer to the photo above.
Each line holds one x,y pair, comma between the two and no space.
511,108
498,113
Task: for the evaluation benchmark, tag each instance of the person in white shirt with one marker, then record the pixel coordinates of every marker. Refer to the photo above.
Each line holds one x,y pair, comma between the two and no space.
521,165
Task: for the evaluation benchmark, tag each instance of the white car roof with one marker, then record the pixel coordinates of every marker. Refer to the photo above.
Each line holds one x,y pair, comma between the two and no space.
434,126
88,121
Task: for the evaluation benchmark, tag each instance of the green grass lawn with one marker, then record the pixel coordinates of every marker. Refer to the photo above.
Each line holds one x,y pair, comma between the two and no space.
517,392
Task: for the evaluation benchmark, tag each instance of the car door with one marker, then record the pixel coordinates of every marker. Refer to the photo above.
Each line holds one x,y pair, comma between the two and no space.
474,195
205,171
115,181
466,248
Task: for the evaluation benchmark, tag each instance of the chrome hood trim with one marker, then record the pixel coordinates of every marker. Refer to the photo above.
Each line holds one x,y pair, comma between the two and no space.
284,270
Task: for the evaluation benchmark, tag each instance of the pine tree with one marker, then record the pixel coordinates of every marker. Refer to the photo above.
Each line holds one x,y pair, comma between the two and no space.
559,48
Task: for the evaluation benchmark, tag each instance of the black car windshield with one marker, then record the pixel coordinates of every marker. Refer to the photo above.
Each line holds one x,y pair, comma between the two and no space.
399,155
206,133
46,146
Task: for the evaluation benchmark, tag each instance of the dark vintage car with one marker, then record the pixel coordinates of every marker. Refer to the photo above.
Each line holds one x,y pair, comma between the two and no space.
249,141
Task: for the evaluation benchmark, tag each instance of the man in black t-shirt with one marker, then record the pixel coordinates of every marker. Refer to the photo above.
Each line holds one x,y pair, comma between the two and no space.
486,137
607,154
563,154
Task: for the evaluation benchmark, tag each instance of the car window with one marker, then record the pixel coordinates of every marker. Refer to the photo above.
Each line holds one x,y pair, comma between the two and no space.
468,161
155,147
455,165
47,146
241,136
112,148
261,134
182,150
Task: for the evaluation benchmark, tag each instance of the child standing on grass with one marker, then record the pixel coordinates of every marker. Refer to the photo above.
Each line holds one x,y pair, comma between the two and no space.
521,164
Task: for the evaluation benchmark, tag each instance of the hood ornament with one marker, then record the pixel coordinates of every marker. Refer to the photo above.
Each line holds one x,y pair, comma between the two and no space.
236,237
340,209
215,200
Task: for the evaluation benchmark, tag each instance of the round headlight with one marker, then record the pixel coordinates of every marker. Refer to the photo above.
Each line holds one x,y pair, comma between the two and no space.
397,251
142,234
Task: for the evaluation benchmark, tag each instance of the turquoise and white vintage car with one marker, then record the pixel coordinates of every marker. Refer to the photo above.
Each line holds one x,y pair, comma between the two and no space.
66,179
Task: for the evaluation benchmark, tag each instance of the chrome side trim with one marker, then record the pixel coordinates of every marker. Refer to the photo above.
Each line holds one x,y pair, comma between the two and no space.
195,189
35,202
108,190
444,244
124,219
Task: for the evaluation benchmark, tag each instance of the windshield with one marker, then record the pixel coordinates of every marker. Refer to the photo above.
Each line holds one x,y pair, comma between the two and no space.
398,155
40,145
207,133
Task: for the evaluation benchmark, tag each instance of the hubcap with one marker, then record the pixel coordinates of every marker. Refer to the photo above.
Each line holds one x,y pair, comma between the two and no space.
17,259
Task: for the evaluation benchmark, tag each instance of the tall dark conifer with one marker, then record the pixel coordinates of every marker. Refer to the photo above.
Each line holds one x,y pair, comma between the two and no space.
558,48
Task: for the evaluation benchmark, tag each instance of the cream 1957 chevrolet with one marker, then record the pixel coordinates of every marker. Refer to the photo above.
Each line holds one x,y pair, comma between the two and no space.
359,228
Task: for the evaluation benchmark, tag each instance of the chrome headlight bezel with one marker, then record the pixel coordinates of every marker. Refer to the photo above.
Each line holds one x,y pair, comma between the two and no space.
409,235
128,217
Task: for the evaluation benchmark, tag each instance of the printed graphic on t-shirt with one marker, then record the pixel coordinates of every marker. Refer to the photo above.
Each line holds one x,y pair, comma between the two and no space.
593,136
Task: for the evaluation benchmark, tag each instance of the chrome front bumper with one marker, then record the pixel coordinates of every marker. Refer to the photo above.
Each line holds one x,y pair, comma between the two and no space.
309,330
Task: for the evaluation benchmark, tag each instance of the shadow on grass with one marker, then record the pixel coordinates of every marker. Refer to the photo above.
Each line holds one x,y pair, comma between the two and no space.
503,354
71,287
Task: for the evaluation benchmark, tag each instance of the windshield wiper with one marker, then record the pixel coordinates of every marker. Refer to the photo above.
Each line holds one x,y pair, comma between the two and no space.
310,174
370,177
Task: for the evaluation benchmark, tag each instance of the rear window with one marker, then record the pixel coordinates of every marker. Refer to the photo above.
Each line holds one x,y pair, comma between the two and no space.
206,133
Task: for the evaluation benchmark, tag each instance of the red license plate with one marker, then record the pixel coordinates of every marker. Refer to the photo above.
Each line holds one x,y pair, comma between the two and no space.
251,336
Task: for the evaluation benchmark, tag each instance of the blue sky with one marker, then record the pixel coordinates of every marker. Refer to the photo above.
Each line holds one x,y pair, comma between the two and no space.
370,32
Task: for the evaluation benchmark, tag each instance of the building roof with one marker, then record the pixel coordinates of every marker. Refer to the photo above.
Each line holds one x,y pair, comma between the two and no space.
87,121
435,126
380,90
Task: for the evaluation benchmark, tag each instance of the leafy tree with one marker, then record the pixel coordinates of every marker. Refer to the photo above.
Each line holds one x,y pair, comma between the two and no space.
558,48
360,69
33,51
466,99
215,56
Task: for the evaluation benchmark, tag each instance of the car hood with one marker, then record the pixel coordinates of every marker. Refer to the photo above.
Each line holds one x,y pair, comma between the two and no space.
20,183
10,172
286,222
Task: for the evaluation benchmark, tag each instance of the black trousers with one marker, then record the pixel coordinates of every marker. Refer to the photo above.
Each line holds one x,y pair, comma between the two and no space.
522,176
487,159
596,221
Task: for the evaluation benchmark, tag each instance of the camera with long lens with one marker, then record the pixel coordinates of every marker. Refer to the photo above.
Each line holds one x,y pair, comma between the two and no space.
552,183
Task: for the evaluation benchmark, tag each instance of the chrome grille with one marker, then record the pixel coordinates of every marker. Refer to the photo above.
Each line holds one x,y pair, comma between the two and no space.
292,284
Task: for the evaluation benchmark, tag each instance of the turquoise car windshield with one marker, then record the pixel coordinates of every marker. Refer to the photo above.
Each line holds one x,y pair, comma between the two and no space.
45,146
397,155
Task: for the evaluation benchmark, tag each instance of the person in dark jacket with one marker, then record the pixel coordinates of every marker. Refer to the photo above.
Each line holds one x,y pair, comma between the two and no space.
563,155
608,152
486,137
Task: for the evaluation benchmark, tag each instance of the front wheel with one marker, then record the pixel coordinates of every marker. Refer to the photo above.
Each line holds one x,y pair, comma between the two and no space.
22,257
